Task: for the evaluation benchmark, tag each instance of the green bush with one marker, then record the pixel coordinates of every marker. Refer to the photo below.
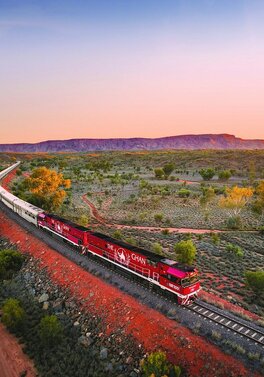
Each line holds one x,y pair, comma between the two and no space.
157,248
234,222
118,234
185,251
207,174
255,279
224,175
184,193
50,330
10,262
13,314
235,250
157,365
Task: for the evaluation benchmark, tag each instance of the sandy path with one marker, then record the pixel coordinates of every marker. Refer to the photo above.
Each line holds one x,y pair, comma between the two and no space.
12,359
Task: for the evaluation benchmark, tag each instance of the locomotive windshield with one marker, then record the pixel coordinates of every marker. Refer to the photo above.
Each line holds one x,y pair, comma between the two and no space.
189,281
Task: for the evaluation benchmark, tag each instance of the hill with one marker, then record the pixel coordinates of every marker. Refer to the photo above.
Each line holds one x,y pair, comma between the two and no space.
207,141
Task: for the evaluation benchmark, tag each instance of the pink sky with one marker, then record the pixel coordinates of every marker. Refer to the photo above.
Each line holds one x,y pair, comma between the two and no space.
149,81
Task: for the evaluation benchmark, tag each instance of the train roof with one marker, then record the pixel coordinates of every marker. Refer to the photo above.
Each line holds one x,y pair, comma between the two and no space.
152,256
68,222
19,202
177,265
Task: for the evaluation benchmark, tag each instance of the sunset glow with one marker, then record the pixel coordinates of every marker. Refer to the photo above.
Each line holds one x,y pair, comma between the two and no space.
102,69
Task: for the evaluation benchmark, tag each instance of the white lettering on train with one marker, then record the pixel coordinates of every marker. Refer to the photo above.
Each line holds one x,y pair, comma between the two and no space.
174,287
137,258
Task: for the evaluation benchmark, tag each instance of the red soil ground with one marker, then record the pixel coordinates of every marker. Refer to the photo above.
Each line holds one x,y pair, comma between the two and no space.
12,359
149,327
6,181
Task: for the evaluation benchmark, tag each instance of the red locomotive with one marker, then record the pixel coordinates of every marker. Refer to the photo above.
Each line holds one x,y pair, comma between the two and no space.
167,274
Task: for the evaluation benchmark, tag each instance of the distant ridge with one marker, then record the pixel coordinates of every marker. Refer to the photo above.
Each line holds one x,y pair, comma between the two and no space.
207,141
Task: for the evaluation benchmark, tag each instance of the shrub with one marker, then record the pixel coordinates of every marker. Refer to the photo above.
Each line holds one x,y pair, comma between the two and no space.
207,174
255,279
10,262
215,238
13,314
157,248
156,364
118,234
234,222
50,330
131,241
159,173
158,217
224,175
185,251
184,193
235,249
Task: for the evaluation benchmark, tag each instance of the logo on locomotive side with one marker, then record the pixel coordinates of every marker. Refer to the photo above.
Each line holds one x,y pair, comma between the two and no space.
122,256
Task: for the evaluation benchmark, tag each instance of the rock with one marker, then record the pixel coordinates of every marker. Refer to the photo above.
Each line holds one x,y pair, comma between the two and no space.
76,324
45,305
172,314
103,354
129,360
109,367
57,305
44,297
84,341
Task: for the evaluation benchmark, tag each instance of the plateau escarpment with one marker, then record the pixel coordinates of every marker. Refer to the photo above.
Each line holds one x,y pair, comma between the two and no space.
207,141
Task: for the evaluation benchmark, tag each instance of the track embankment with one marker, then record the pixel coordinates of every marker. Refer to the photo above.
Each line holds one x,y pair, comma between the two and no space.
150,328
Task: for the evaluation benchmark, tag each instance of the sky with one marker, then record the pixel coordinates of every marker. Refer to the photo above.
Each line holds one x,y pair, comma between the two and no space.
130,68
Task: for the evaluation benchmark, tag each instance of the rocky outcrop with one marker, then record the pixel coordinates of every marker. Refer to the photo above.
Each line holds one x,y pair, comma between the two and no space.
207,141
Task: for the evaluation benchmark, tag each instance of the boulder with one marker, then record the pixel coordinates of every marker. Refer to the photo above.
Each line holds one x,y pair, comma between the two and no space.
45,305
44,297
103,353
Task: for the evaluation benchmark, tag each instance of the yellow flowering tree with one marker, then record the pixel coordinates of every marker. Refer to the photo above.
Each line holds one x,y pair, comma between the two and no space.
236,199
47,187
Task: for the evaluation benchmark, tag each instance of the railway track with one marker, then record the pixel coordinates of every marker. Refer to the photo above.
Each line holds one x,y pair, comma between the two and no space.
231,323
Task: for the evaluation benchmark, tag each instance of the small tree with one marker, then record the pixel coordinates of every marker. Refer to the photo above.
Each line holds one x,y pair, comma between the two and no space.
118,234
236,199
10,262
159,173
50,330
258,205
84,220
184,193
157,248
224,175
168,169
158,217
13,314
157,365
207,174
185,251
207,197
255,279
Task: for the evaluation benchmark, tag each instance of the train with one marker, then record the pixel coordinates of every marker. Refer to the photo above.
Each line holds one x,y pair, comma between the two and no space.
180,280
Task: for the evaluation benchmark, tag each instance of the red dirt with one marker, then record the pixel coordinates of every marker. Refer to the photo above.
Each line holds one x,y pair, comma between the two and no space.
100,219
6,181
12,359
149,327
